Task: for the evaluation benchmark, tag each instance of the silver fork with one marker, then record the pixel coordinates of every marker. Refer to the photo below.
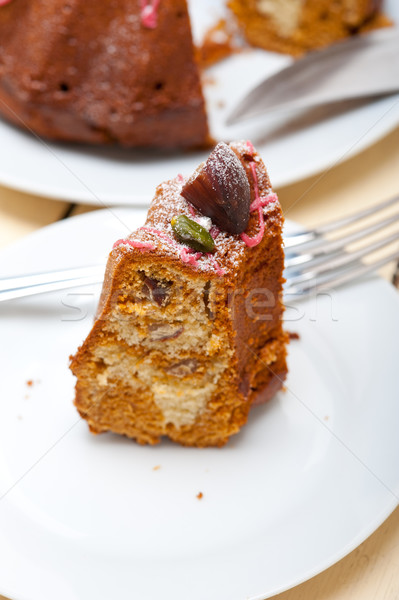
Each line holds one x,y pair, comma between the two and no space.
314,261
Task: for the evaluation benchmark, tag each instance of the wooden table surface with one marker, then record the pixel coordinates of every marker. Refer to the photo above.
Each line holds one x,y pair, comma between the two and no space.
371,572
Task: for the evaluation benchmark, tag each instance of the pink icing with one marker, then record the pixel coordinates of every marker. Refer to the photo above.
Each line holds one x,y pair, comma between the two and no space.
214,231
189,257
149,13
269,199
138,245
250,147
4,2
180,178
257,204
161,234
219,270
191,209
254,241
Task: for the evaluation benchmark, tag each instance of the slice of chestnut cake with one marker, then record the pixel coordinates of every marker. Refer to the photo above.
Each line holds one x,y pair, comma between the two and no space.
188,332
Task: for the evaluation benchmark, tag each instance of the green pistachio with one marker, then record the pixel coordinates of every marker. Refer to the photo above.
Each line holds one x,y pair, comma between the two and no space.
193,234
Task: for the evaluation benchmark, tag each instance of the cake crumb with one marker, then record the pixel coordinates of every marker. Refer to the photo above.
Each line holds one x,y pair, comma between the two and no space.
209,80
156,468
200,495
19,417
326,418
293,335
220,41
31,382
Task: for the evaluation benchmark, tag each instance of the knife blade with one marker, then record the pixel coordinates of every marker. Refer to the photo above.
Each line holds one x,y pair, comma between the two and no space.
364,66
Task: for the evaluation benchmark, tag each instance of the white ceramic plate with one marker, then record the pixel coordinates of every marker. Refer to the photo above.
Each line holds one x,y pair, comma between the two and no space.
313,473
293,148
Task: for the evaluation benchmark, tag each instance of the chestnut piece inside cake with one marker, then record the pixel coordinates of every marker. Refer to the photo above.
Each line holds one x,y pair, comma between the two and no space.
188,334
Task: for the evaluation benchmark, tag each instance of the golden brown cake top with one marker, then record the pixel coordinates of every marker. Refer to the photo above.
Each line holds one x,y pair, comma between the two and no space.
230,249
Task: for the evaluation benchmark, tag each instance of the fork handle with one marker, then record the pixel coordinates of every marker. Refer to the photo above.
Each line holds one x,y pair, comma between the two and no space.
39,283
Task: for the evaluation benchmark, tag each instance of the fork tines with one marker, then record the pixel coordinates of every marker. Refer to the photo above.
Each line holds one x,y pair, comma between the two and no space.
323,258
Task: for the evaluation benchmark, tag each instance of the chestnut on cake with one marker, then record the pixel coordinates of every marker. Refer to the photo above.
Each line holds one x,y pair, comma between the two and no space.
188,334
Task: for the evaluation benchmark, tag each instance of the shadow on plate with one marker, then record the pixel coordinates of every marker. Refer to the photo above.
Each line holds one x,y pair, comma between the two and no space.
108,152
283,125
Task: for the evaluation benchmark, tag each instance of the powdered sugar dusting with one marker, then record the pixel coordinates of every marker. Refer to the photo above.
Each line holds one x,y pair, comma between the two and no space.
205,222
231,173
217,268
230,250
214,231
160,234
269,199
189,257
259,203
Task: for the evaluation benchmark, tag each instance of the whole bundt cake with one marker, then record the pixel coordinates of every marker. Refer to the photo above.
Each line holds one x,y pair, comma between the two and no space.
118,71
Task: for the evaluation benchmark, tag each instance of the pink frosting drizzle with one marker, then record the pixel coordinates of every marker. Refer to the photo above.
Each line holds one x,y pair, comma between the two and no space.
219,270
214,231
257,204
180,178
187,255
191,209
161,234
4,2
261,202
149,13
138,245
250,147
254,241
